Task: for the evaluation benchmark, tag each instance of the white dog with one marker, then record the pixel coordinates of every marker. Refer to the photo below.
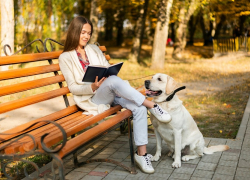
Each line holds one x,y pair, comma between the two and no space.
182,130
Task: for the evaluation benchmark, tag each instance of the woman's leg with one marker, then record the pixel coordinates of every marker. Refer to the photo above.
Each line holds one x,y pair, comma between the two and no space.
114,86
107,93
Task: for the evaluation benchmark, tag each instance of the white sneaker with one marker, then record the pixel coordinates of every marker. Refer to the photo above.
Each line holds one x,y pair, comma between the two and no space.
144,163
160,114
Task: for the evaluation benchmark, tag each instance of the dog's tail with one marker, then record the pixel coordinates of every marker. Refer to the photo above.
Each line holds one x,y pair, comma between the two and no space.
212,149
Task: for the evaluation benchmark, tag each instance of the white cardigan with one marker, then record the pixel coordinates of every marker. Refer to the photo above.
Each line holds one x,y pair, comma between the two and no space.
73,72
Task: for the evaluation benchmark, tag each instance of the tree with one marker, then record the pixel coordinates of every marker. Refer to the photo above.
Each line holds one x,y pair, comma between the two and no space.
94,20
139,32
161,35
7,26
119,19
187,8
192,24
40,19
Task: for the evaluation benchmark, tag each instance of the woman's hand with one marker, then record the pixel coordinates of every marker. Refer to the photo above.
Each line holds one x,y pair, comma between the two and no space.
95,85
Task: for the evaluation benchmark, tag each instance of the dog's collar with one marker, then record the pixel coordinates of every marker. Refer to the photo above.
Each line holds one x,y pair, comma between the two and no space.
175,91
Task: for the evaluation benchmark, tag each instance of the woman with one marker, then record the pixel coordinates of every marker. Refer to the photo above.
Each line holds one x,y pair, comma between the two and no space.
97,97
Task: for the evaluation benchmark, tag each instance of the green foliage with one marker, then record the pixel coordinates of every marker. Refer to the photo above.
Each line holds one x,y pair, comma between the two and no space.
40,19
39,160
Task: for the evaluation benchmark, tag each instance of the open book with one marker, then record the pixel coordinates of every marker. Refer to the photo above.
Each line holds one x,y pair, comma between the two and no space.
101,71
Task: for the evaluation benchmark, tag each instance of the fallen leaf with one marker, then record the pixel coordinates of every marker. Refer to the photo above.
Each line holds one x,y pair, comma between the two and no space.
228,106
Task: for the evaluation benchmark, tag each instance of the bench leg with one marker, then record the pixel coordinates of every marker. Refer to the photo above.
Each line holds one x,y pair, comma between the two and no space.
131,169
75,155
131,145
59,163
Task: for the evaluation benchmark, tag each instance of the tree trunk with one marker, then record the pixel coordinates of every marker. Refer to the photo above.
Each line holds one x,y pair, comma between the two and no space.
94,20
161,35
139,32
177,54
109,19
207,33
242,19
192,23
150,33
7,26
81,7
219,26
119,25
181,31
172,31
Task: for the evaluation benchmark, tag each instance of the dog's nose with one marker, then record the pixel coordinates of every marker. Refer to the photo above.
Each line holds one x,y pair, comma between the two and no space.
147,83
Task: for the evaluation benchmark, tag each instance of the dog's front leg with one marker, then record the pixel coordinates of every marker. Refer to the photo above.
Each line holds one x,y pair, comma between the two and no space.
157,155
177,145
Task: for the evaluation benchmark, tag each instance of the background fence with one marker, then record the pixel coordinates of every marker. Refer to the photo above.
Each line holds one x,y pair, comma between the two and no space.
224,45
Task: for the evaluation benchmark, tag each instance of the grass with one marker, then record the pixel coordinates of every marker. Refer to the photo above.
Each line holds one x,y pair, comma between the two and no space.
13,167
219,115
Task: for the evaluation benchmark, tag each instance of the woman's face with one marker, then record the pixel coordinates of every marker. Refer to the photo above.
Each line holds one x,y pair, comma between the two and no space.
85,35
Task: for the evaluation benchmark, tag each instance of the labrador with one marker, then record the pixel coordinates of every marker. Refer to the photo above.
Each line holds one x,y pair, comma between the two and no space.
181,131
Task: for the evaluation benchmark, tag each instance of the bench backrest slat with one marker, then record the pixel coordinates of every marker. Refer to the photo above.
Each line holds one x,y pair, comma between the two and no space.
86,122
11,89
16,59
103,48
8,106
16,73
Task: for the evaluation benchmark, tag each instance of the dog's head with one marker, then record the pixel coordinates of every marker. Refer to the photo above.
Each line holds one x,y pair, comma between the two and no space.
160,86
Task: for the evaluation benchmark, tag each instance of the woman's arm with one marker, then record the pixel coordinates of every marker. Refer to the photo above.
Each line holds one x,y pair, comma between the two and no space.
74,87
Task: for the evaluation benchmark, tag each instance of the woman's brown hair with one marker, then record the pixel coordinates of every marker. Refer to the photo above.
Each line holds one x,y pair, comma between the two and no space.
74,31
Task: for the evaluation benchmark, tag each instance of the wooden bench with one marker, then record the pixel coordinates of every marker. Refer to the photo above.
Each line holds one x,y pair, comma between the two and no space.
42,134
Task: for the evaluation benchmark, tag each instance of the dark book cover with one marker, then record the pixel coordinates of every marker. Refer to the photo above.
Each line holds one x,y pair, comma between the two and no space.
100,71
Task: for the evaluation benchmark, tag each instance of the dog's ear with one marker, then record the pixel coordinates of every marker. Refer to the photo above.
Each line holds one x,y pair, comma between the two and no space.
171,85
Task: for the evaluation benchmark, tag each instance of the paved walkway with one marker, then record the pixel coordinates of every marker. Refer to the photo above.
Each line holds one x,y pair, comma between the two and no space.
233,164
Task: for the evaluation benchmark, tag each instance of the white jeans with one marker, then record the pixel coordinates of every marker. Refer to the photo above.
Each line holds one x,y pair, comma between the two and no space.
116,91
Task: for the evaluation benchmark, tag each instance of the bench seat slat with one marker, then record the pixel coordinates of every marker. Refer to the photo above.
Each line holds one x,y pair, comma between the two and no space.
17,73
74,127
37,133
11,89
79,140
72,124
52,117
8,106
24,58
70,128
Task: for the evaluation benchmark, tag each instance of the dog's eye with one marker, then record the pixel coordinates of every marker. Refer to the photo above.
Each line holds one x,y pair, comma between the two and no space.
159,79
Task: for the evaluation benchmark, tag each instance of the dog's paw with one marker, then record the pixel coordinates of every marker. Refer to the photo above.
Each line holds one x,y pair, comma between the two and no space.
176,164
155,158
185,158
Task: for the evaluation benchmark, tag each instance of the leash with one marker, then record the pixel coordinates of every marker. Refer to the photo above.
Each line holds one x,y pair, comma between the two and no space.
175,91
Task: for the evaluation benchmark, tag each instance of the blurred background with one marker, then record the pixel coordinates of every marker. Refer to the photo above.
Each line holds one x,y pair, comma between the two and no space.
131,24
